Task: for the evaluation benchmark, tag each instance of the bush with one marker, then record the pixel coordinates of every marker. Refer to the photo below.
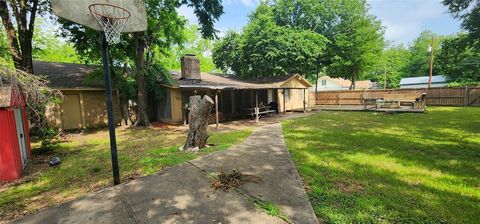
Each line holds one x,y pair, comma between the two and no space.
50,141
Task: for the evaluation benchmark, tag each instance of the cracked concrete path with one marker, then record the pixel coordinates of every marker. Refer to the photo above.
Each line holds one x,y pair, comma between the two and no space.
182,193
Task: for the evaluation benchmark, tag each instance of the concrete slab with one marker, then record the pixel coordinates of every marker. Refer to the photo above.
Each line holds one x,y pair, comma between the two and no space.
183,193
180,194
265,155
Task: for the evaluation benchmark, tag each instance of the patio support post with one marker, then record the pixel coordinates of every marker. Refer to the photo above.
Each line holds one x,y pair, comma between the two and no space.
232,101
304,102
256,106
216,109
284,103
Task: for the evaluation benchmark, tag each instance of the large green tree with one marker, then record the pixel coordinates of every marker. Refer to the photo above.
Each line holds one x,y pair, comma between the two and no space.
357,42
164,30
459,60
355,37
419,59
391,65
267,49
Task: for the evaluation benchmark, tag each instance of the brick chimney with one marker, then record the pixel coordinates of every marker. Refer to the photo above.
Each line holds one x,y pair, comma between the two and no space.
190,67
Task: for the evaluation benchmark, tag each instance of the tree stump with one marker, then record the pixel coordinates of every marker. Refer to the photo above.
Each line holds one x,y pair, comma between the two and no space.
198,122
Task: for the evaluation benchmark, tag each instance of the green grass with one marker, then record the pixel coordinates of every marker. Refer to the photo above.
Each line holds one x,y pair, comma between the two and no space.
269,208
364,167
86,165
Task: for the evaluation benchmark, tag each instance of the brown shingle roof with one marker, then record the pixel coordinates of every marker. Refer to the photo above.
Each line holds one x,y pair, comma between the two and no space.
218,81
67,75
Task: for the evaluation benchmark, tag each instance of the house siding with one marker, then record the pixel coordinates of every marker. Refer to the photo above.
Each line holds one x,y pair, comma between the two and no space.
89,107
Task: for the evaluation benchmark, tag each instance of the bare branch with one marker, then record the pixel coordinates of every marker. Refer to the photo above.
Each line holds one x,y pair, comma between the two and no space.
33,88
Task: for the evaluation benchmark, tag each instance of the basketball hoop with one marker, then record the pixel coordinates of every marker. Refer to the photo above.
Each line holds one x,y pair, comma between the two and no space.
112,18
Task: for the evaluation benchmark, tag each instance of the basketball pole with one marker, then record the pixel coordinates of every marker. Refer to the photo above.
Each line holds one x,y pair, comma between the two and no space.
111,120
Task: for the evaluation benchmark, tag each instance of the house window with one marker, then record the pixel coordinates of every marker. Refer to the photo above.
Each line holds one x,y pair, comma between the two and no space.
324,82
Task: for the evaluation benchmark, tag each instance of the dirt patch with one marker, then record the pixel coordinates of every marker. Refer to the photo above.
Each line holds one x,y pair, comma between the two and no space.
233,180
349,187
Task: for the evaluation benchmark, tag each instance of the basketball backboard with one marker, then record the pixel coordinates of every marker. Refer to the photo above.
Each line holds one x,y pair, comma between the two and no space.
78,11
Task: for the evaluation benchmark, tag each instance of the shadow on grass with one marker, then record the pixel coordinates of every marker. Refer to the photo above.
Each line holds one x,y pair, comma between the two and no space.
86,166
399,168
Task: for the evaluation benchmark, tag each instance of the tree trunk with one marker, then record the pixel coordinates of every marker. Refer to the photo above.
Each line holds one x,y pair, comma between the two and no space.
20,40
142,118
200,108
352,85
11,35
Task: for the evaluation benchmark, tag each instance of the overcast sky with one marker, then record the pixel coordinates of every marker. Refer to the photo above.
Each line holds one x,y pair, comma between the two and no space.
403,19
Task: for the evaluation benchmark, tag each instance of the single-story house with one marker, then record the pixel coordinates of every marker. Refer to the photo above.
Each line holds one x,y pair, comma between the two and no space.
83,105
235,97
326,83
422,82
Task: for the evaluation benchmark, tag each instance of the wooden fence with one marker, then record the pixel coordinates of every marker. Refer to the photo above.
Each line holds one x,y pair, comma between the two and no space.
438,96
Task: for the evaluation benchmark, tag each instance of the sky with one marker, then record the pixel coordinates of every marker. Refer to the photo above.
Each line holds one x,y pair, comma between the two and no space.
403,20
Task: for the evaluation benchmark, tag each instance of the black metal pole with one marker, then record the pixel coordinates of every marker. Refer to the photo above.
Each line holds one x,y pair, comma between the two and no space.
111,120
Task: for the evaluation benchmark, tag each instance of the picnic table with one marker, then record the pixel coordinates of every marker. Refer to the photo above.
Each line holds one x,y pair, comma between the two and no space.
380,102
394,100
262,111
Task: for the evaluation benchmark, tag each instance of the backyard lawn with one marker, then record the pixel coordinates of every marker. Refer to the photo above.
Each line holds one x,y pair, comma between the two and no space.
365,167
86,165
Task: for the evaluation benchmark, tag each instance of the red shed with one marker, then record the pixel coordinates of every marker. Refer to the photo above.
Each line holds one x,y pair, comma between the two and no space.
14,139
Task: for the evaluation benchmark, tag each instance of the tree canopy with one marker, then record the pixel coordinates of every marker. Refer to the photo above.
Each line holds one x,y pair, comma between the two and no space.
419,57
357,43
193,43
264,48
458,59
303,36
468,11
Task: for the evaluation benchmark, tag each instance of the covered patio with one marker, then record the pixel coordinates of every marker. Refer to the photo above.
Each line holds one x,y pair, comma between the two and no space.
234,98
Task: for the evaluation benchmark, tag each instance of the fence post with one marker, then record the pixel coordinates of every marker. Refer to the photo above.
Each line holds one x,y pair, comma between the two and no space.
465,99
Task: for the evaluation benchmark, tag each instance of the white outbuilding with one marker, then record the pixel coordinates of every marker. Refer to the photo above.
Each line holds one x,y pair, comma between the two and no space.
422,82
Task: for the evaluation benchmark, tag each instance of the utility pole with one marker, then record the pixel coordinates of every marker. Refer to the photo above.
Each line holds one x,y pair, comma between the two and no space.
385,77
431,61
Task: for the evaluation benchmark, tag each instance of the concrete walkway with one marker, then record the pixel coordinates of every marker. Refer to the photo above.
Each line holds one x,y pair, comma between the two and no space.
182,194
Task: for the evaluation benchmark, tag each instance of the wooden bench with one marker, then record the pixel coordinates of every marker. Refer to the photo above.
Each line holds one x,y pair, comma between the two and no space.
269,113
417,100
369,101
265,111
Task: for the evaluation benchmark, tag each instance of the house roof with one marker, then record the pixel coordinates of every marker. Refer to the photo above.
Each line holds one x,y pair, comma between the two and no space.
423,80
218,81
67,75
346,83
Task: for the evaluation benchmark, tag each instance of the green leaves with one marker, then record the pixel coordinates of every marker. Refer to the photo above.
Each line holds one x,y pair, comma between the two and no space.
303,36
264,48
194,44
468,11
459,60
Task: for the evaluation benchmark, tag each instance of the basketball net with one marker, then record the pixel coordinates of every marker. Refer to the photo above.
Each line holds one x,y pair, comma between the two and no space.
112,19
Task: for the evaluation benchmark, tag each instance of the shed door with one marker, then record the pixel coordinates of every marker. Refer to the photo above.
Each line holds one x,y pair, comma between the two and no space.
21,136
71,114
